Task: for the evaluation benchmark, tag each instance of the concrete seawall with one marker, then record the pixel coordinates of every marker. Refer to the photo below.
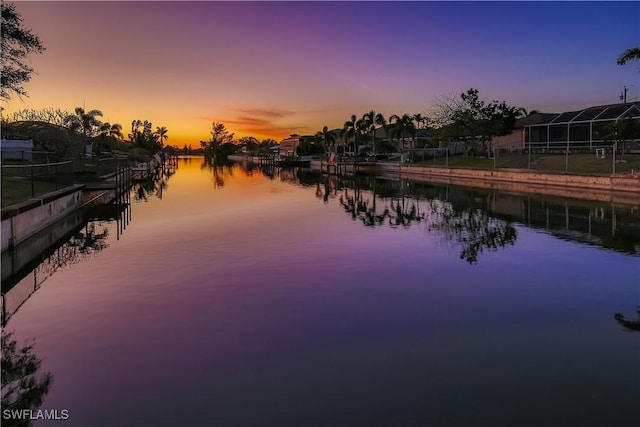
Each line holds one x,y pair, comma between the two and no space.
617,189
624,183
23,220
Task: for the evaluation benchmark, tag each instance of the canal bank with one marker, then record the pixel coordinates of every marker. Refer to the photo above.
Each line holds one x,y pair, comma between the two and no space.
22,220
616,189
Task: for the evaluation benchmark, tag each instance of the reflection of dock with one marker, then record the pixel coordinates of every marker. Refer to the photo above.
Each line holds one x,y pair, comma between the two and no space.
29,264
347,166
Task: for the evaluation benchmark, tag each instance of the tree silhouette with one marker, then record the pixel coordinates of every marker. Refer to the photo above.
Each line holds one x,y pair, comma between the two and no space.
328,138
23,387
350,131
629,55
161,134
84,122
17,42
400,128
371,119
474,230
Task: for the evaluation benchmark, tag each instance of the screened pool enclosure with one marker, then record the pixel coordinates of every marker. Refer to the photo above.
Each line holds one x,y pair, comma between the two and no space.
586,129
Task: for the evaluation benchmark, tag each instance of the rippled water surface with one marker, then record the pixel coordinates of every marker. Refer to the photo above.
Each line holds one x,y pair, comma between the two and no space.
236,298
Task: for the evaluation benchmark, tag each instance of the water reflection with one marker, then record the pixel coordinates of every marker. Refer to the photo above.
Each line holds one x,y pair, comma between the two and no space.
24,385
71,240
474,219
221,171
82,242
154,186
291,316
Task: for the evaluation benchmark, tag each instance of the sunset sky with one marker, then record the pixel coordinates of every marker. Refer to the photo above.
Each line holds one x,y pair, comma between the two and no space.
269,69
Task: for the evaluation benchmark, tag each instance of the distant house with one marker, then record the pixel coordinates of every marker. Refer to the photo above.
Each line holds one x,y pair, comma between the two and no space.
516,139
582,129
288,145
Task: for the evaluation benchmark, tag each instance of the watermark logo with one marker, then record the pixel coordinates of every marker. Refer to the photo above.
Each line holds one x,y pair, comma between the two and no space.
33,415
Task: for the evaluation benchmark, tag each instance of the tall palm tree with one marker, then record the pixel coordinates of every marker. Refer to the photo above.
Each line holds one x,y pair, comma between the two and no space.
371,119
108,132
350,131
362,129
161,134
629,55
328,137
112,130
420,121
85,122
401,127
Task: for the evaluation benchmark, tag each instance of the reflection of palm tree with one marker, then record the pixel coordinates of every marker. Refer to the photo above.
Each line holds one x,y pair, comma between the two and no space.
23,387
402,215
475,231
219,173
632,325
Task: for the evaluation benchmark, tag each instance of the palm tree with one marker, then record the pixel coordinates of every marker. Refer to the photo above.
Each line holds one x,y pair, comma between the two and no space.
350,131
112,130
361,129
161,134
420,121
328,137
84,122
371,119
400,128
629,55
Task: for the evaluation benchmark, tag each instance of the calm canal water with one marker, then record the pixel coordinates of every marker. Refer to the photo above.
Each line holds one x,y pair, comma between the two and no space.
234,297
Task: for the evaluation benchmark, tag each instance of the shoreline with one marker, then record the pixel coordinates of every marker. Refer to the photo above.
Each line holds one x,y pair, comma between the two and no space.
622,190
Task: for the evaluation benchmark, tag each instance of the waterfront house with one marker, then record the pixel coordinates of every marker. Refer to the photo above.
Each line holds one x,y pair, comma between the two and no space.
585,129
516,139
288,145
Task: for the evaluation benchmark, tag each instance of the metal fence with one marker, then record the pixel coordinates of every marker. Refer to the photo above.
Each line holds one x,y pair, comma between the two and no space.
17,156
604,160
22,182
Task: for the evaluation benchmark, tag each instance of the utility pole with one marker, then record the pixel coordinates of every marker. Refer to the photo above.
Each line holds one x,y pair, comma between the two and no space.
623,95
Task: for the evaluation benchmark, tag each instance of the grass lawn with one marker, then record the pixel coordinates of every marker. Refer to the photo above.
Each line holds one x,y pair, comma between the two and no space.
16,189
16,180
582,164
